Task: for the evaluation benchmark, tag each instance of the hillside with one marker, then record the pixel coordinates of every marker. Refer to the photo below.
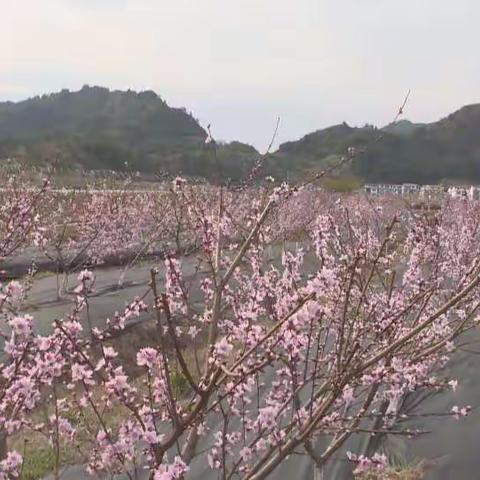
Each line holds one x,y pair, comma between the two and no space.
402,152
95,128
402,127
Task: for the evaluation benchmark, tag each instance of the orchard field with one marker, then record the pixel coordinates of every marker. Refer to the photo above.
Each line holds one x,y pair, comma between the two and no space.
243,332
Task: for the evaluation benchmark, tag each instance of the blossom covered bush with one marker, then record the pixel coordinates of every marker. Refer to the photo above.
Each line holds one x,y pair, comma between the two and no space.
295,352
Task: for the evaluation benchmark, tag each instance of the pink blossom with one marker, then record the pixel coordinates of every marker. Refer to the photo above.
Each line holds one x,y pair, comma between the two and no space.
246,454
223,348
147,357
459,412
173,471
9,467
22,325
365,464
82,373
65,428
14,288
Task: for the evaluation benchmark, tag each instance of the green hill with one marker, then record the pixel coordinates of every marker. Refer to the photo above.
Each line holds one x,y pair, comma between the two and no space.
95,128
400,152
402,127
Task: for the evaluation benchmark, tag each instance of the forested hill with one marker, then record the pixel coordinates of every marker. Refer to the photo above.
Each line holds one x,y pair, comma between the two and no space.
402,152
95,128
128,118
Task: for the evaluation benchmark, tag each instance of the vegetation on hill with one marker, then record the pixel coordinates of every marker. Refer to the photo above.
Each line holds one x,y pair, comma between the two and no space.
96,128
402,127
400,152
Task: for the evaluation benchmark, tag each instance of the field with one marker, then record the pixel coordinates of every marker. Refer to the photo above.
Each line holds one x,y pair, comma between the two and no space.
247,332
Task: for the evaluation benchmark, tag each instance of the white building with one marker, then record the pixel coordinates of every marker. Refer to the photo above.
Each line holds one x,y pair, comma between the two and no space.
410,189
378,189
430,192
473,193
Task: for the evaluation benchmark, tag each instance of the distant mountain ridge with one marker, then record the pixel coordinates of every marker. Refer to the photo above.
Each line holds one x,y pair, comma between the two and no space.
448,149
95,128
97,111
402,127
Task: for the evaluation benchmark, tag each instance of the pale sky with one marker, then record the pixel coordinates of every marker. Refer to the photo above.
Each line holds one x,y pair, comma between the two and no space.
239,64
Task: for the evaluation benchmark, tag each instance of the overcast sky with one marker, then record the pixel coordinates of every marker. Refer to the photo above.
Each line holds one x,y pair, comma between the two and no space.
238,64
